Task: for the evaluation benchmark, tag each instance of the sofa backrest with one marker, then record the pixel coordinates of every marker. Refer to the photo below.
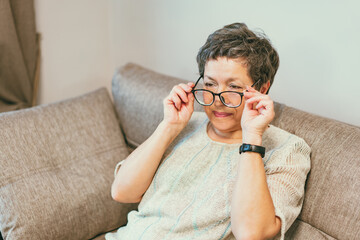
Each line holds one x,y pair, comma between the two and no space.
332,193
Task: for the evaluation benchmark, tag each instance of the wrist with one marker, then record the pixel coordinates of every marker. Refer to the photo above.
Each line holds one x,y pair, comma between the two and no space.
170,128
246,148
254,139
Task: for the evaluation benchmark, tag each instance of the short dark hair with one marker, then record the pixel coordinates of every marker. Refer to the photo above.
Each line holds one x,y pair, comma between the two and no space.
236,41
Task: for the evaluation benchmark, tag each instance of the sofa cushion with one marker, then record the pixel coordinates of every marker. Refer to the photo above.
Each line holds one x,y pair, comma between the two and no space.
142,91
301,231
332,194
57,164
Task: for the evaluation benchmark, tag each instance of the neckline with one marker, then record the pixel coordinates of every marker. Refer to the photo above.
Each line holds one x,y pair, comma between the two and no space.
205,127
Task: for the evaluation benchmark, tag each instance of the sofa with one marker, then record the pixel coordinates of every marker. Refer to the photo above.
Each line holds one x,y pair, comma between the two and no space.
57,162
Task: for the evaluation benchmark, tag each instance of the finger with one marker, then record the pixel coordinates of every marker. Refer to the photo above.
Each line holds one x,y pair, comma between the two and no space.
258,98
251,94
185,87
176,101
249,105
190,104
181,93
191,84
191,97
265,106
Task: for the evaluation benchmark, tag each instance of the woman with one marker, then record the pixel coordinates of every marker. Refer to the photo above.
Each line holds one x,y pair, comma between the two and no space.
191,178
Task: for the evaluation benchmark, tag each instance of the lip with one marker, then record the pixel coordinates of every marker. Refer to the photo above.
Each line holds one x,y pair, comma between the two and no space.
221,114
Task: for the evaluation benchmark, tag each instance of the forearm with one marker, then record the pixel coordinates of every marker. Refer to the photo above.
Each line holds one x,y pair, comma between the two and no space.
252,209
138,170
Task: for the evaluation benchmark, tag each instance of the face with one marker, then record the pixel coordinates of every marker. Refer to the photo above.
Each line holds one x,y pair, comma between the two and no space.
220,75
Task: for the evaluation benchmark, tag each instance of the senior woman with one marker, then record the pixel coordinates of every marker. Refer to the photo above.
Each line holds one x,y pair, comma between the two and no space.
225,173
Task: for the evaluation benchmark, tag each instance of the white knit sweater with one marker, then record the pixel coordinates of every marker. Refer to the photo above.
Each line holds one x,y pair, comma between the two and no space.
190,195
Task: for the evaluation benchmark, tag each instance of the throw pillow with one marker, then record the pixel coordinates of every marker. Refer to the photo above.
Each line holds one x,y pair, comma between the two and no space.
57,163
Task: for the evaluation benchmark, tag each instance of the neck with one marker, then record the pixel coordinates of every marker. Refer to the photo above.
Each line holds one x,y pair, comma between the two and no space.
224,137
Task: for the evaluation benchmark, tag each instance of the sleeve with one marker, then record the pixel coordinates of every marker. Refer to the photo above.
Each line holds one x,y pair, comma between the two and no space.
286,171
117,167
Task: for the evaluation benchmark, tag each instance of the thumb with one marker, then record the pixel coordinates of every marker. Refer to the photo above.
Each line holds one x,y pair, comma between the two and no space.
248,106
190,103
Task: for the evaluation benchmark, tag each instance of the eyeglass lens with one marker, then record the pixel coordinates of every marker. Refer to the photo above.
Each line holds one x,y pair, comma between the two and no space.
205,90
207,98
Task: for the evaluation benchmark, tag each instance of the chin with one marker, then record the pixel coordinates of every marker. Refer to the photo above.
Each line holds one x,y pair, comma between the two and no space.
224,125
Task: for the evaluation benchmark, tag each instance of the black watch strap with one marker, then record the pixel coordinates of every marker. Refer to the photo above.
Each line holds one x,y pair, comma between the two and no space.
252,148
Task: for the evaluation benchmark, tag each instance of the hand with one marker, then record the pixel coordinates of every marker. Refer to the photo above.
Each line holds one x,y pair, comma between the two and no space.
179,105
255,119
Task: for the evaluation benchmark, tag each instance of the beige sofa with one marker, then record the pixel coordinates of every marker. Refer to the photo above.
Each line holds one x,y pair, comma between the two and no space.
57,162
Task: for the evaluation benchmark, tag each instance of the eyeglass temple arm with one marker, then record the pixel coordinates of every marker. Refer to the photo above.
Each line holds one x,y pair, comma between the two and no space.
196,84
256,82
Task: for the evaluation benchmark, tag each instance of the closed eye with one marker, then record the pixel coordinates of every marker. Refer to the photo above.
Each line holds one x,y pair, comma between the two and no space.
209,84
235,87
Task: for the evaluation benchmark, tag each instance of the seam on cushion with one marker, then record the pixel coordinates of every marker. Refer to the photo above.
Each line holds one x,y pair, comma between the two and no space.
316,228
132,143
40,170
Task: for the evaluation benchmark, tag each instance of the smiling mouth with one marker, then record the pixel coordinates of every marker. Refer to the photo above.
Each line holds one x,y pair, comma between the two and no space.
221,114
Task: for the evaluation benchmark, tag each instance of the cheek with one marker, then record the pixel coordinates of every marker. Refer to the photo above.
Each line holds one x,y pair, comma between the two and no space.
207,110
239,112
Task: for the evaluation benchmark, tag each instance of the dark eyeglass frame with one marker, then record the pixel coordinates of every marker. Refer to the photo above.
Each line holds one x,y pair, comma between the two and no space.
219,94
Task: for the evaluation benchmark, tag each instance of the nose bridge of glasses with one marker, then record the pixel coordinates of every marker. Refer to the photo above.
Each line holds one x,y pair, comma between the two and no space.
219,95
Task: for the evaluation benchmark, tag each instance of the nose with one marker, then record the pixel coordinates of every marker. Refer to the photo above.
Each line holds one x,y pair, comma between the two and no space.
217,100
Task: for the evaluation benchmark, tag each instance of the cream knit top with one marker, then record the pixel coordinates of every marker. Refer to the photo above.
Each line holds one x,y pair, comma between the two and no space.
190,194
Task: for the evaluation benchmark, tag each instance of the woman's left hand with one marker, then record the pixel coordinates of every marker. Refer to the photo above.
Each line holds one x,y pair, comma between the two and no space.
258,113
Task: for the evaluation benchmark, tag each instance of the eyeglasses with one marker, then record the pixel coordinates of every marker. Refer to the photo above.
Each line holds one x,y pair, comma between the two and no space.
230,99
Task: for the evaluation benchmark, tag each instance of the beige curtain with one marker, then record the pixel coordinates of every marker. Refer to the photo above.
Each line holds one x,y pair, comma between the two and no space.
19,55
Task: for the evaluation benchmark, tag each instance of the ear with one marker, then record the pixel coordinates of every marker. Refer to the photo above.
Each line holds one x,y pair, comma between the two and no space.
265,87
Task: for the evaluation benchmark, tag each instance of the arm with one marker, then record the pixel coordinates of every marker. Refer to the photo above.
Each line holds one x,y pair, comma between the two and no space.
252,208
137,171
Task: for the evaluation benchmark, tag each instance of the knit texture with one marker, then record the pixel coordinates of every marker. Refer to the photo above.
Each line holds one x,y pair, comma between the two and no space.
190,195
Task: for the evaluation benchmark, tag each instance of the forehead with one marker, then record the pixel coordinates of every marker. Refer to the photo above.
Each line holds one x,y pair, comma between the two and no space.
224,70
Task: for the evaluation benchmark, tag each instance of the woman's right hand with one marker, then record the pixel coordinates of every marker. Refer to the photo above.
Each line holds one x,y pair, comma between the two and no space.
179,106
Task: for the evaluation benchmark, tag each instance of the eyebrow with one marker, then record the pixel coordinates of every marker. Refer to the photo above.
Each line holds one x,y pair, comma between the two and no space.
227,80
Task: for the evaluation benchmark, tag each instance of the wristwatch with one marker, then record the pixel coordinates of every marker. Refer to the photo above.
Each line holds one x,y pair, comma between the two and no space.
252,148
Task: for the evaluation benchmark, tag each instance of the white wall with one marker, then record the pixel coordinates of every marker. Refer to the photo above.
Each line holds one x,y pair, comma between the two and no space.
83,41
318,44
75,56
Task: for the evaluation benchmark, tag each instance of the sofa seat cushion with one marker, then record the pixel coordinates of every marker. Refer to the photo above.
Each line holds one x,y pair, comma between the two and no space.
301,230
57,164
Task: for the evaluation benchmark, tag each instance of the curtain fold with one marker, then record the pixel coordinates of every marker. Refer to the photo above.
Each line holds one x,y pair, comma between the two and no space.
19,55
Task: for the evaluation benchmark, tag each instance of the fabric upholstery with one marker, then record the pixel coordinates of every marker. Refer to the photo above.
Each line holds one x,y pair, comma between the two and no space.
332,192
303,231
331,206
57,164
